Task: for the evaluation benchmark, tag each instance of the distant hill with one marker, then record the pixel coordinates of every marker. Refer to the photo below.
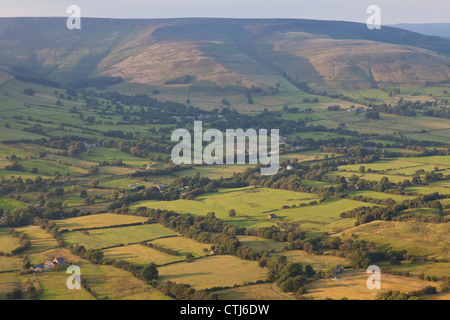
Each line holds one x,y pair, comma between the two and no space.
222,52
429,29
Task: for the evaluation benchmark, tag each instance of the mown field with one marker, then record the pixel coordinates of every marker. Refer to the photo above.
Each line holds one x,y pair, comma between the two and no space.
352,285
213,271
98,221
108,237
141,255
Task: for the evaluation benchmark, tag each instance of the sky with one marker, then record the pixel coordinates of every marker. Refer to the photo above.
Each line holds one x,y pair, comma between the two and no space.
392,11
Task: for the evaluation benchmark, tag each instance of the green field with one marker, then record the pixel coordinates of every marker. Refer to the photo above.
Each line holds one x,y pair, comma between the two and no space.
8,151
10,204
110,155
428,189
103,238
251,204
380,195
316,184
216,171
49,168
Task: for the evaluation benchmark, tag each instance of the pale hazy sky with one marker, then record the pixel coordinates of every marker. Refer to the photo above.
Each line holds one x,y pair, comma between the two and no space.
392,11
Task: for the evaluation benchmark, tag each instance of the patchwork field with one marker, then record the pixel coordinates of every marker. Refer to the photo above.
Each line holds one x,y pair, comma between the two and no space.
103,238
98,221
106,282
251,204
110,155
141,255
214,271
380,195
215,171
407,166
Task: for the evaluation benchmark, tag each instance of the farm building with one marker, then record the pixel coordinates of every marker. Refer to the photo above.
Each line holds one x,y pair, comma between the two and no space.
60,261
48,264
38,267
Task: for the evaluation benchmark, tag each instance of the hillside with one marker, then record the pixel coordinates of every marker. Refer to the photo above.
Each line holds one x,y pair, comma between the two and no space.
223,52
429,29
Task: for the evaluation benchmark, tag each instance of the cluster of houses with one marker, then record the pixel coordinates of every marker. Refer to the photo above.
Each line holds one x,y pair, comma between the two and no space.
49,264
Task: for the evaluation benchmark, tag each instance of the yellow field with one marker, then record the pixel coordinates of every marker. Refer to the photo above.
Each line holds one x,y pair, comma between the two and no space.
264,291
432,239
141,255
7,242
183,245
98,220
9,263
352,285
105,281
258,244
214,271
318,262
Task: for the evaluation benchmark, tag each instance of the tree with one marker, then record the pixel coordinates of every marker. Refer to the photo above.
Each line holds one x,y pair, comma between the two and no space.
94,170
232,213
95,256
189,257
94,183
309,271
83,194
150,272
15,294
28,92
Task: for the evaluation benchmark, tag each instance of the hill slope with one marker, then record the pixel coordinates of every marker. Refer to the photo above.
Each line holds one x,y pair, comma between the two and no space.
223,52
